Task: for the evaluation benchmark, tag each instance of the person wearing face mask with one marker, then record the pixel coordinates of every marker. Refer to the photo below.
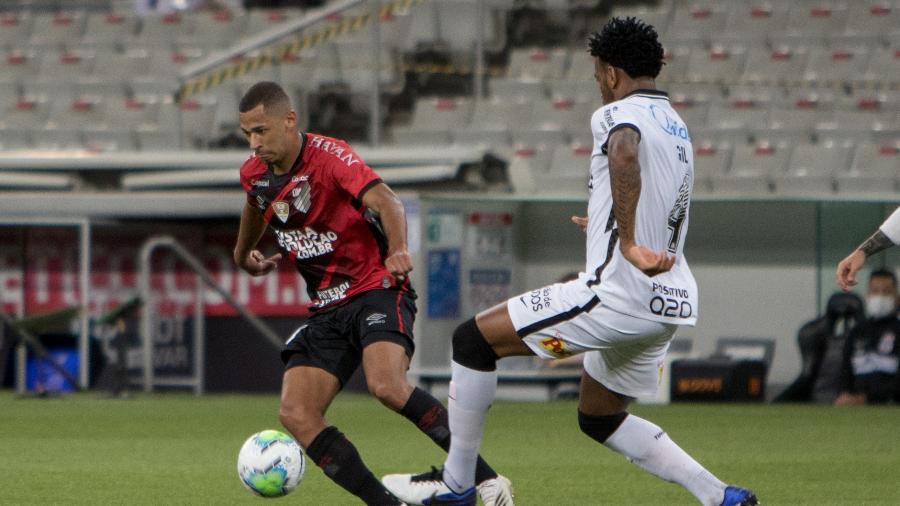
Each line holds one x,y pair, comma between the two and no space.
871,353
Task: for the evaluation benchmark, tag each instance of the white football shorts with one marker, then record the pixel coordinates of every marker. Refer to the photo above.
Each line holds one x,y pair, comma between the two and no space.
624,353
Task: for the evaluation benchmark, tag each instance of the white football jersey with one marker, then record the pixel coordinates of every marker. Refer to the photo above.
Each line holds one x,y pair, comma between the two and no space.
661,222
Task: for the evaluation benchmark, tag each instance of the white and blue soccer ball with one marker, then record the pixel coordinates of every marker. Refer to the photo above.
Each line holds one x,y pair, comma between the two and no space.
271,463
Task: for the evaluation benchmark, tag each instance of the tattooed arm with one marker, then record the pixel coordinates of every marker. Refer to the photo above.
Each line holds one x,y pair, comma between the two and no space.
625,184
883,238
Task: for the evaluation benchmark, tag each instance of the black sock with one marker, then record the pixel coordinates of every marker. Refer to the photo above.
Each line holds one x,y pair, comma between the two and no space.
430,416
340,461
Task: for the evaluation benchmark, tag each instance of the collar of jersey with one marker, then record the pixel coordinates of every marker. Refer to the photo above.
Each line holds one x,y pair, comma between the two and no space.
649,93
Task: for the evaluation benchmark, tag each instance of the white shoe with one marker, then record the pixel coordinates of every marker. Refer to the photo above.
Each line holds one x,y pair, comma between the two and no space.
496,491
427,488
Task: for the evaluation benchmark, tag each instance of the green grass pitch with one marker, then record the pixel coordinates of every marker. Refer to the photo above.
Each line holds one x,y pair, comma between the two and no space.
180,449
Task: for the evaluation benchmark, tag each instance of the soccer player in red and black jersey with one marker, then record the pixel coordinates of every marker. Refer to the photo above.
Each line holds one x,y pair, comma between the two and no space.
345,231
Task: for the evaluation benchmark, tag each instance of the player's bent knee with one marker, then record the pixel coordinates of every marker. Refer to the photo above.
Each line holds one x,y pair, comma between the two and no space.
298,420
471,349
599,428
391,393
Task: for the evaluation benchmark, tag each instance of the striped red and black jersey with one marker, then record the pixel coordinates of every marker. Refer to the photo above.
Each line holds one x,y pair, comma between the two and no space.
316,212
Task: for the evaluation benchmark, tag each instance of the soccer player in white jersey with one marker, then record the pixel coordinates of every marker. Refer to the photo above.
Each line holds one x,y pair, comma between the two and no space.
621,312
887,235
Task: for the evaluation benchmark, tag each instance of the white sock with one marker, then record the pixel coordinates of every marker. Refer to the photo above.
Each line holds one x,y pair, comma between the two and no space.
471,395
649,447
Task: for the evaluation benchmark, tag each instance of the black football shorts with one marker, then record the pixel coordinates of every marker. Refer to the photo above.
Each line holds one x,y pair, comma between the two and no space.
333,339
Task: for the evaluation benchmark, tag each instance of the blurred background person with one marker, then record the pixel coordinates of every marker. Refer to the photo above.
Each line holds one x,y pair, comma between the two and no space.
869,373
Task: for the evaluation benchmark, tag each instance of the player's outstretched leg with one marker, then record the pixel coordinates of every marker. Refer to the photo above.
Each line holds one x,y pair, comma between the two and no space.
472,390
430,416
303,414
648,446
385,366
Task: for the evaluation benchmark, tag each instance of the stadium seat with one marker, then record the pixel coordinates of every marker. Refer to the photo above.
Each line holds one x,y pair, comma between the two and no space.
492,121
696,22
795,120
569,168
862,117
82,113
811,169
433,120
214,30
191,120
871,19
24,113
132,113
517,89
710,161
458,21
692,109
783,64
153,138
15,27
753,22
676,60
883,67
14,139
751,169
718,64
296,70
67,64
872,171
54,29
358,72
561,114
56,140
108,29
835,66
104,141
19,65
583,90
656,16
164,30
537,63
738,117
812,22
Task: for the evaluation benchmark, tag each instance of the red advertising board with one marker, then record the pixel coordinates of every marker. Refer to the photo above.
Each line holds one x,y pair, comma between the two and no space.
39,271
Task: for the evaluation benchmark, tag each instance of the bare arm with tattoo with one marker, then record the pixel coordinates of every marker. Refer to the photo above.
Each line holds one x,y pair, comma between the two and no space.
625,183
847,269
887,235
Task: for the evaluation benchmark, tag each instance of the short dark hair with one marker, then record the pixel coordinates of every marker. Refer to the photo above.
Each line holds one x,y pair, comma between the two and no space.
630,45
883,273
270,95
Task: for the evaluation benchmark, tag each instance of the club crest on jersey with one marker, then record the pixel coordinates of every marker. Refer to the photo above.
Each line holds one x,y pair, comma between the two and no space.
302,200
282,210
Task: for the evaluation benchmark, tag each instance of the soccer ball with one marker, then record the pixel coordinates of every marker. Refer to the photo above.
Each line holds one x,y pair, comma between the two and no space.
271,463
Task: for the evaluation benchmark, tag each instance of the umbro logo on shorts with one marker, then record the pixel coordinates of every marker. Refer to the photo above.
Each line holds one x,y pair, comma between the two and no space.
376,318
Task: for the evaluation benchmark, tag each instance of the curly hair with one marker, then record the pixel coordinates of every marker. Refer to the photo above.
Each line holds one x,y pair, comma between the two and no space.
630,45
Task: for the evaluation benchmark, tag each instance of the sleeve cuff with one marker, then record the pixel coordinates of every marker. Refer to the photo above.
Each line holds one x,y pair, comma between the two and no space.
618,127
367,187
